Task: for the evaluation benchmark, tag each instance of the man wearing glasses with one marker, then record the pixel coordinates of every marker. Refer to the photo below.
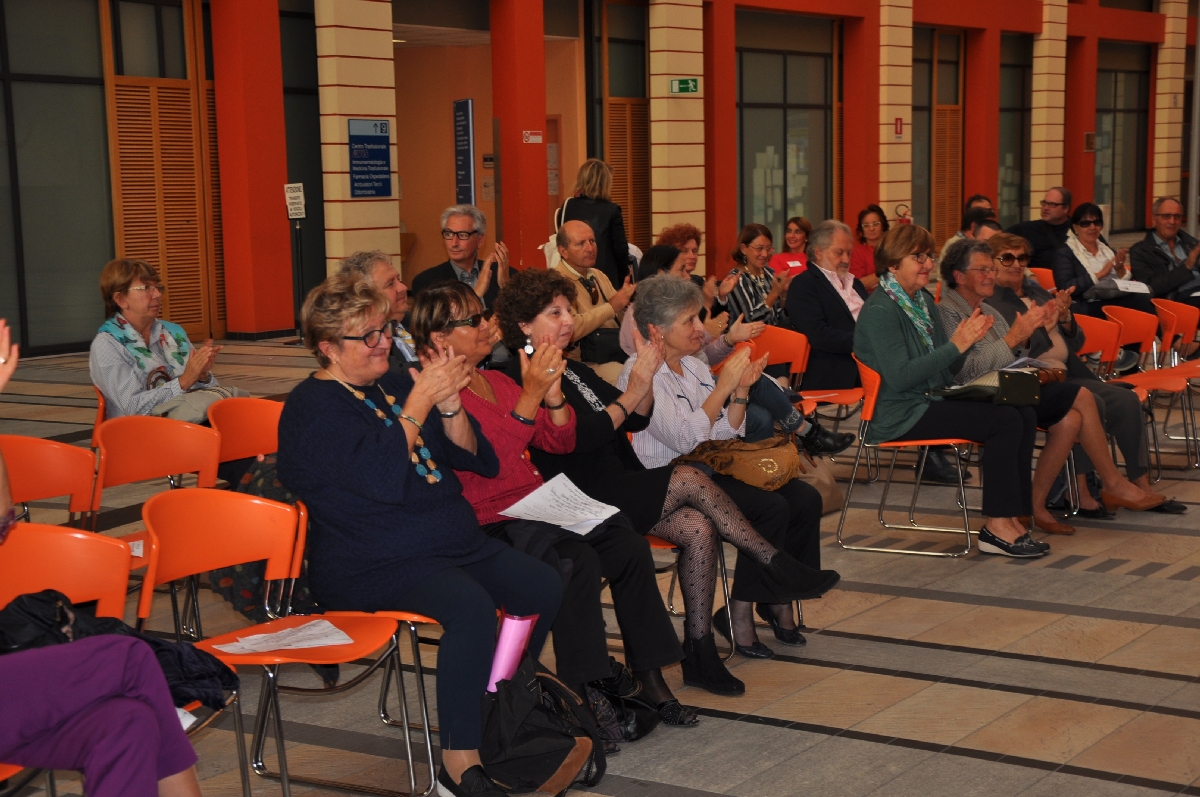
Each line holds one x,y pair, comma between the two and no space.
463,229
1166,258
1049,233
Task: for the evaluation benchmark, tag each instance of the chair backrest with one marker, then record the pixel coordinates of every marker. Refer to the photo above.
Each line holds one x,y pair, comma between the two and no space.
937,296
139,447
248,426
198,530
1168,324
783,346
81,565
746,344
1187,318
870,382
1044,277
101,413
1099,337
1136,327
40,469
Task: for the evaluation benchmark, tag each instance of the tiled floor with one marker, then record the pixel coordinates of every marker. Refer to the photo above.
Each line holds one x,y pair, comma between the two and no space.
1076,674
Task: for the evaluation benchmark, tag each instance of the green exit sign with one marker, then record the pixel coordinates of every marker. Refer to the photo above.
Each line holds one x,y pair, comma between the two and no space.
685,85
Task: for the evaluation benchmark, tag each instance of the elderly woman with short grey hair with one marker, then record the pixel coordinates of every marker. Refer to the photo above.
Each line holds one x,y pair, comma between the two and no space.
691,407
1067,411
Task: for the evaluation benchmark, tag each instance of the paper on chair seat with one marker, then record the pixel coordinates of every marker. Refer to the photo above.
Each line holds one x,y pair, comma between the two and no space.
315,634
560,503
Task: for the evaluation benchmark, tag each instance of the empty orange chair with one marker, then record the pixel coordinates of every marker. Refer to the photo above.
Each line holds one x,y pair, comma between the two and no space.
195,531
249,427
39,469
1044,277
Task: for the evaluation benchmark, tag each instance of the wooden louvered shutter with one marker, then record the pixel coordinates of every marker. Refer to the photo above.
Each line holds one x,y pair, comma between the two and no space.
216,238
838,161
946,172
627,145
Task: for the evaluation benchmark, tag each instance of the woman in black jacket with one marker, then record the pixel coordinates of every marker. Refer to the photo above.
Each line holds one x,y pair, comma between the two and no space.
1086,259
592,204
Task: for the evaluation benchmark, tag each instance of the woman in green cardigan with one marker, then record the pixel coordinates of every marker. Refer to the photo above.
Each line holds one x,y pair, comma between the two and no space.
899,335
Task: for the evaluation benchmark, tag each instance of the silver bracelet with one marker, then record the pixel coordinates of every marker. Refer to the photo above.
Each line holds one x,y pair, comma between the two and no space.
450,414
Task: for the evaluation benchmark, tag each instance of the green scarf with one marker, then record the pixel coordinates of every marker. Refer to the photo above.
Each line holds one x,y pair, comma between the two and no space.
172,340
916,310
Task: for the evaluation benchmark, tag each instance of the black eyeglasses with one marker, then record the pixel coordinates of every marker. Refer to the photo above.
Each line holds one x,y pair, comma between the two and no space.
1046,204
1091,223
372,337
921,257
1008,258
462,235
469,321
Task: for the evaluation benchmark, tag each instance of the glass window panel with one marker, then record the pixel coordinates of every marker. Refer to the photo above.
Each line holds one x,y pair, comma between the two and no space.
762,77
807,83
922,84
947,83
763,164
53,38
626,69
948,47
922,43
298,42
139,39
807,160
208,53
1014,168
302,119
9,308
1130,91
920,167
1012,86
1104,89
626,22
1104,158
62,158
174,52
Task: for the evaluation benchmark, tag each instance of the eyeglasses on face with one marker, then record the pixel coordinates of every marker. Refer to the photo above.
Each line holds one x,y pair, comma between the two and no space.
768,249
470,321
921,257
462,235
1047,204
1170,216
985,270
148,289
1091,223
1008,259
372,337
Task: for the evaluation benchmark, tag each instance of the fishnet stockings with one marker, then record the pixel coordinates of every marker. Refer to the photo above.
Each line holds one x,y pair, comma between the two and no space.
690,487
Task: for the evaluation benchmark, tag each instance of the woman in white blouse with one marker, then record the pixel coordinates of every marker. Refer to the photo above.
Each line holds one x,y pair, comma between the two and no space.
1087,258
690,407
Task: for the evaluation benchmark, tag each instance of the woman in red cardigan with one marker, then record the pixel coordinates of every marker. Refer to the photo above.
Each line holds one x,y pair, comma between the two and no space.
513,418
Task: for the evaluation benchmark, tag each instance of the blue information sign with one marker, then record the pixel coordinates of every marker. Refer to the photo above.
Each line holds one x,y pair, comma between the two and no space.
464,152
370,158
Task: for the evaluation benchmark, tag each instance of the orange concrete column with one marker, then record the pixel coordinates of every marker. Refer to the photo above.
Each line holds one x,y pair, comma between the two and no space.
519,103
981,174
1079,167
861,114
248,75
720,134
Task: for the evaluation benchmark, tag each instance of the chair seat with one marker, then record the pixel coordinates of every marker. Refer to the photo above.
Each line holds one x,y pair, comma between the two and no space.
948,441
659,544
403,617
1156,381
369,632
845,398
8,770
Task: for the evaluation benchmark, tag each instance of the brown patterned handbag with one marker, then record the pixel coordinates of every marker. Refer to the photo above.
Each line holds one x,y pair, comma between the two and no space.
766,464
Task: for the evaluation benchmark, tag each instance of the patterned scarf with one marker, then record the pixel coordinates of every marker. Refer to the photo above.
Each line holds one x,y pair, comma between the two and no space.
916,311
584,390
171,339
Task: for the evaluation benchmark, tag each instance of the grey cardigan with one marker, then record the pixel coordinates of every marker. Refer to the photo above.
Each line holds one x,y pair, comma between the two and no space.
989,354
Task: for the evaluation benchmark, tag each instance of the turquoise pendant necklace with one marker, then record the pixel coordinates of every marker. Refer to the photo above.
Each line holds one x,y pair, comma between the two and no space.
421,456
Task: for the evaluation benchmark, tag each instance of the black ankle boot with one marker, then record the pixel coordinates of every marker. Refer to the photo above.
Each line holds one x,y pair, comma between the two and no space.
818,440
703,668
792,580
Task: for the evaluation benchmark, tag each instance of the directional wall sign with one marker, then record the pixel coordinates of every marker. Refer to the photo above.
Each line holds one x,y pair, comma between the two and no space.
464,152
370,157
685,85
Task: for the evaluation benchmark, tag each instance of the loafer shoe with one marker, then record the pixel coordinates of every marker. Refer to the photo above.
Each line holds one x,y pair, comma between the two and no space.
1100,513
1023,548
1140,505
474,783
1170,507
1041,546
939,470
757,650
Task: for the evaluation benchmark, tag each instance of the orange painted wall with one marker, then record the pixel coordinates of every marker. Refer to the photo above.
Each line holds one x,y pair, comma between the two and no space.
428,81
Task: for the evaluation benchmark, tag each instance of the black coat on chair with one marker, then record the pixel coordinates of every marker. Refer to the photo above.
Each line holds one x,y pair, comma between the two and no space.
816,309
604,217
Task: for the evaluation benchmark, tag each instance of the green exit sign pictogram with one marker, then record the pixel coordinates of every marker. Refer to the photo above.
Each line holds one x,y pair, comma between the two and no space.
685,85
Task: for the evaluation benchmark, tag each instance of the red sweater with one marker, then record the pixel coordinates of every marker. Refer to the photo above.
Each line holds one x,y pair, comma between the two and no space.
862,260
510,438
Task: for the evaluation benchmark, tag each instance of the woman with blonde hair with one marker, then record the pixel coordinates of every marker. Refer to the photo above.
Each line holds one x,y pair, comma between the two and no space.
592,204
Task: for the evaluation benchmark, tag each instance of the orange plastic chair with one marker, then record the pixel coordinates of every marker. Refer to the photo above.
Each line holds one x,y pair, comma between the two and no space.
1187,319
84,567
1044,277
871,383
137,448
101,412
39,469
248,426
846,397
195,531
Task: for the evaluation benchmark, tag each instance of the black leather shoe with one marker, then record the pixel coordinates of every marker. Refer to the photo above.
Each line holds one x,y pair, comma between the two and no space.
1041,546
788,636
940,470
1023,548
474,783
1170,507
789,579
1099,513
819,441
756,651
703,668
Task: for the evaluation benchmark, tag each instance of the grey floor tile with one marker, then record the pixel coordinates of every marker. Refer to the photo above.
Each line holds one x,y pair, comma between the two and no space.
1186,697
955,776
715,756
868,653
1072,680
836,767
1057,784
1154,595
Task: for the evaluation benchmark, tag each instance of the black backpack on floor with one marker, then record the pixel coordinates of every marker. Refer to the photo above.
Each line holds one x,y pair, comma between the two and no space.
538,735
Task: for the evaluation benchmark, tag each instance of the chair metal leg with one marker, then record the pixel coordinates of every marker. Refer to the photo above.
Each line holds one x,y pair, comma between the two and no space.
671,592
239,731
721,571
51,786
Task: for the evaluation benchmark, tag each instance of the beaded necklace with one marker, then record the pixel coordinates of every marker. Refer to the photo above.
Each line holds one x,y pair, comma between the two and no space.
428,468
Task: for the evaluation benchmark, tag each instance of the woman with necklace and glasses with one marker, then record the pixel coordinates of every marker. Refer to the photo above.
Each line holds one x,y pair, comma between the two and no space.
872,226
1087,258
760,293
373,454
535,413
900,335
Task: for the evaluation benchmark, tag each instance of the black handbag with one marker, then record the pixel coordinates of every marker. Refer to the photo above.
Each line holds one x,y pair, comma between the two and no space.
1016,388
636,716
602,346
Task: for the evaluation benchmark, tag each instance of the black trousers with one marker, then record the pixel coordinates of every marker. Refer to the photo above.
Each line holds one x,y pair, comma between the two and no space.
580,647
789,518
1007,435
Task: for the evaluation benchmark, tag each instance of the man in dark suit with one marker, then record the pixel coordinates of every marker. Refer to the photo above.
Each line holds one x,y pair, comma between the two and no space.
823,303
1166,259
377,267
1049,233
463,229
